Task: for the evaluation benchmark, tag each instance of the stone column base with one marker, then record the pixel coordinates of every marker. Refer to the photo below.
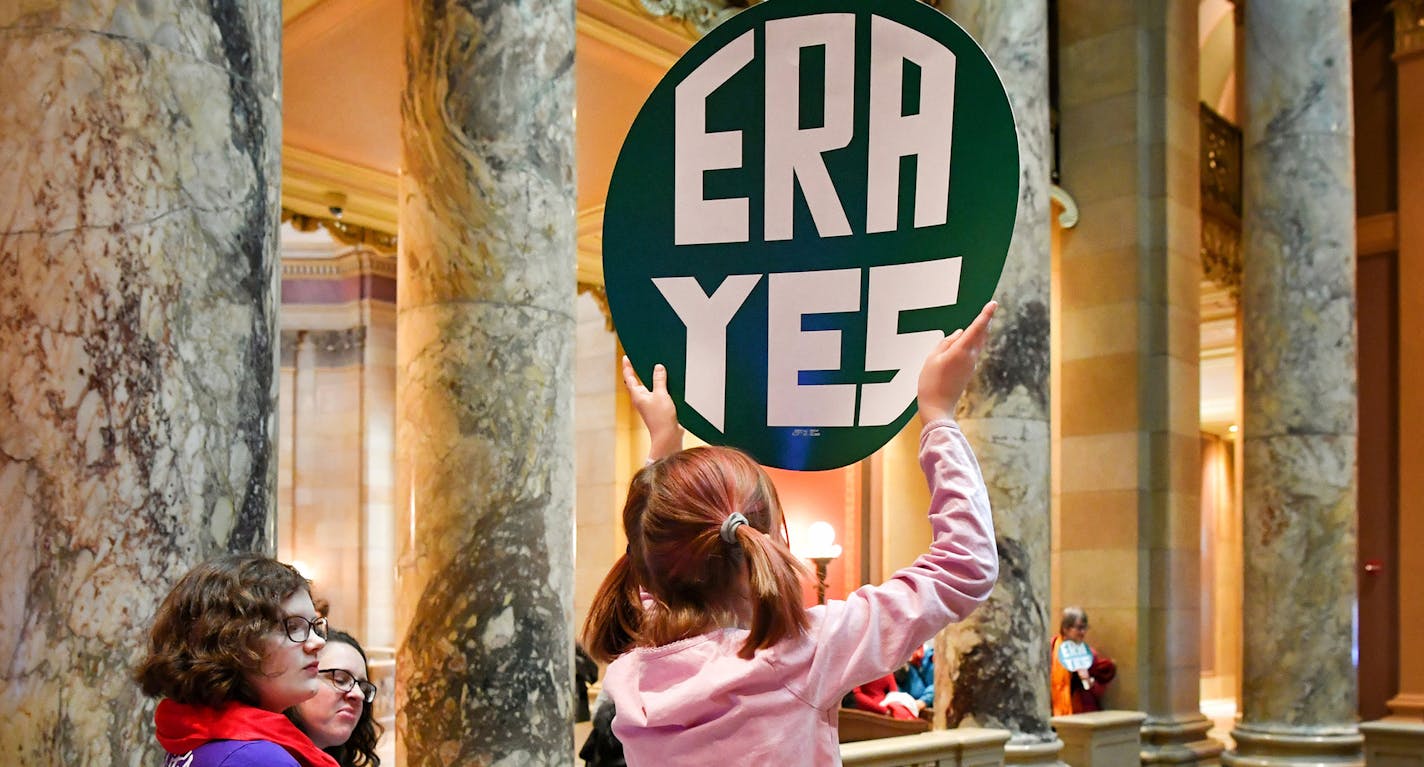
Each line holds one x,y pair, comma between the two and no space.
1256,747
1100,738
1179,740
1036,752
1407,705
1394,743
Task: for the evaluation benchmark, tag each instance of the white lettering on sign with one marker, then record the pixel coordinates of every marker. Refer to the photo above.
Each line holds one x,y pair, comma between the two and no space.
794,154
893,135
894,289
695,219
789,349
706,318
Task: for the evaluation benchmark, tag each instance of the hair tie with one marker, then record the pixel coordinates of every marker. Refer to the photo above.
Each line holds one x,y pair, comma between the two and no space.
729,526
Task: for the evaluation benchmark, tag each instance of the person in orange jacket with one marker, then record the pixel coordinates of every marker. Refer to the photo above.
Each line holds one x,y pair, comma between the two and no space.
1078,675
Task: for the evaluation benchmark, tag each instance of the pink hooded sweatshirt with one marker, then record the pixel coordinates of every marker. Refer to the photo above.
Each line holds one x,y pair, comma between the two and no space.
694,702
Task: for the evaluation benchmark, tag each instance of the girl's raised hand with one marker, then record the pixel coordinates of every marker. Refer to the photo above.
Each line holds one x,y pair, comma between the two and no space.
656,408
949,367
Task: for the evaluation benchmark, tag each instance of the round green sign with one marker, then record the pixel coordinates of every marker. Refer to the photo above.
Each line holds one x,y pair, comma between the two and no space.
813,196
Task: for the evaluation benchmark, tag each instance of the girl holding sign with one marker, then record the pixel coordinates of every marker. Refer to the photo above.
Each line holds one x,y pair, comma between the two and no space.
714,658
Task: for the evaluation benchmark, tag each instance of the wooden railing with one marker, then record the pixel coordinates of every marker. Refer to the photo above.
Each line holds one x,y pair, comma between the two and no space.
965,747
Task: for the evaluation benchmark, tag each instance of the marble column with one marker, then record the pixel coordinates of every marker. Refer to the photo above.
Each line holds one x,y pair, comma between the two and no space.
1130,276
990,667
484,421
139,169
1298,691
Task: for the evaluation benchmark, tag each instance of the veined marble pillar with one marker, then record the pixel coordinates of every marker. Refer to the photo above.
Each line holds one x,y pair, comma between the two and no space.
1298,691
139,170
1130,276
485,431
990,668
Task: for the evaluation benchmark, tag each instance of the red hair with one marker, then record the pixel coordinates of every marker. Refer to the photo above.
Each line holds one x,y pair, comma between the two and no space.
673,519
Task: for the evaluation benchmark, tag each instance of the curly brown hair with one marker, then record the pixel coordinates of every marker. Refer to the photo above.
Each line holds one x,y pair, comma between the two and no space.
209,632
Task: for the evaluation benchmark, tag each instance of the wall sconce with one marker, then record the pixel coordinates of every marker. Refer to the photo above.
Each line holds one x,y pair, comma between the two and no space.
821,548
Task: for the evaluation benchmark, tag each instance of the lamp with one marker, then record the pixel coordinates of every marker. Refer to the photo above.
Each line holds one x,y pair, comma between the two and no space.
821,548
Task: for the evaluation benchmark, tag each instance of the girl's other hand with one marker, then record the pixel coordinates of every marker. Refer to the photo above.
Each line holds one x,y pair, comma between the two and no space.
656,408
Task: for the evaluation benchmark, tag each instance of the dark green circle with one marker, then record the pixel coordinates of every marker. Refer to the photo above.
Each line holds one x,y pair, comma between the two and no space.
638,243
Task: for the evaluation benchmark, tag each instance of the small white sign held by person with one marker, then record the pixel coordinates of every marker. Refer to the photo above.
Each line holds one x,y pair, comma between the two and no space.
813,196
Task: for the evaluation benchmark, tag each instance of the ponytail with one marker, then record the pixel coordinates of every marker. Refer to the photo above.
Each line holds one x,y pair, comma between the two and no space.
699,577
616,614
774,578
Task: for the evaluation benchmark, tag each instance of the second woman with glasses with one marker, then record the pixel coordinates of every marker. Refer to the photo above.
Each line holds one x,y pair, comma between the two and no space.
233,646
339,719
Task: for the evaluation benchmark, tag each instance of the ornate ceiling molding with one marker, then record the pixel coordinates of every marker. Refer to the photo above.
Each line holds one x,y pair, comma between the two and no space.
343,231
366,198
701,16
628,26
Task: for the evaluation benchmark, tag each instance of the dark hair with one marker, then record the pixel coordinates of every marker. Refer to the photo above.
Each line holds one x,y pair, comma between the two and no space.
210,631
1072,618
673,520
359,750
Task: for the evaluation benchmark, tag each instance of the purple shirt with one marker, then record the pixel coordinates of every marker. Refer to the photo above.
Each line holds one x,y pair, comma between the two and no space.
695,702
234,753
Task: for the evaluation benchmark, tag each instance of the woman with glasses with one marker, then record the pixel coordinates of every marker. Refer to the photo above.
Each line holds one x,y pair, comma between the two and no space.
339,719
234,645
1078,674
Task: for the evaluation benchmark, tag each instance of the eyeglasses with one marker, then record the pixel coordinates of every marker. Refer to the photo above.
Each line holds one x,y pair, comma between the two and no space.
300,629
342,680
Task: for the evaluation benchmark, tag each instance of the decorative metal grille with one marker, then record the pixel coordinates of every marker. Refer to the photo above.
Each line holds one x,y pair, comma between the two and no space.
1221,200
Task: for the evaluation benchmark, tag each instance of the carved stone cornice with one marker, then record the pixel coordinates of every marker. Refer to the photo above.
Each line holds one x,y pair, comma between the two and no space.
699,15
352,263
1408,28
628,26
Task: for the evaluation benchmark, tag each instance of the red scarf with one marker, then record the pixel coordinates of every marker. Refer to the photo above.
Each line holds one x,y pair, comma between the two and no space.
182,728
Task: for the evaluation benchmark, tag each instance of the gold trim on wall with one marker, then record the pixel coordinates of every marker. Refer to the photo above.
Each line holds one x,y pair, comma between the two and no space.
638,31
622,40
309,179
342,231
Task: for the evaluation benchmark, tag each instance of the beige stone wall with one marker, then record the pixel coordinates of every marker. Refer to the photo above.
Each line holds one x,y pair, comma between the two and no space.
336,457
902,498
378,407
1221,571
598,527
1129,273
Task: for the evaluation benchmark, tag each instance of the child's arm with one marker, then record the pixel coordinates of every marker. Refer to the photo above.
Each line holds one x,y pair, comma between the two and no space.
877,627
657,410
